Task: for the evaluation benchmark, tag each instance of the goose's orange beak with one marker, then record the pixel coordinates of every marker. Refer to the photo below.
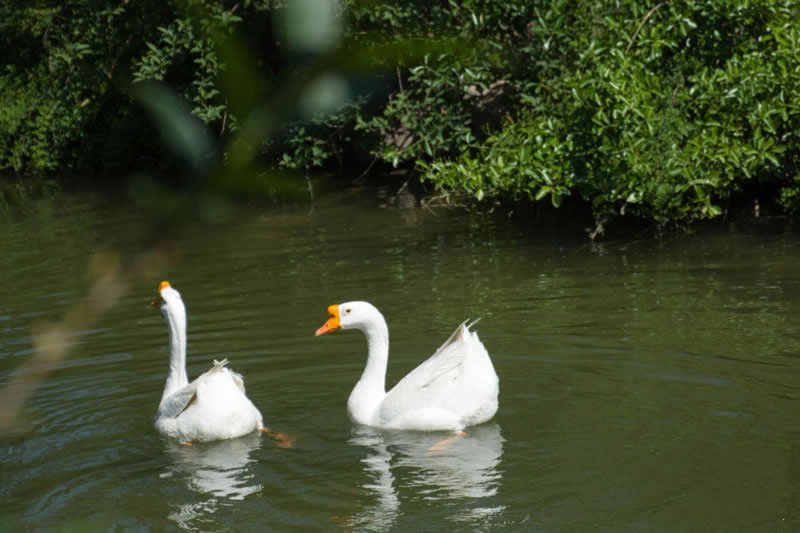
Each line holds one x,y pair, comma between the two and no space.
157,300
333,321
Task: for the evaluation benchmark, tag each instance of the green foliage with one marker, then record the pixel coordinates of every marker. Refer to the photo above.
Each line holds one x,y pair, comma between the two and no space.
661,112
315,142
62,101
181,47
58,68
665,111
527,157
431,117
438,105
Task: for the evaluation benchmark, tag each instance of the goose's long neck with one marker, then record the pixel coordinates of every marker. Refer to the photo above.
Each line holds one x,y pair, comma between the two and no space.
378,356
370,390
176,378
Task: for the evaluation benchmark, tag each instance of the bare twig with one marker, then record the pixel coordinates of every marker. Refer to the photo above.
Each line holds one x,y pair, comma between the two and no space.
224,119
400,80
310,193
366,171
442,199
643,22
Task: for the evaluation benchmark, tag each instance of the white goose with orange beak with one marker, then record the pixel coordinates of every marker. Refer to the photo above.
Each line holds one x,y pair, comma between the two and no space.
212,407
455,388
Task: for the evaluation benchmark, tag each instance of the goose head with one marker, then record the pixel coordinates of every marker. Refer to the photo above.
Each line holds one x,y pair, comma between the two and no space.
170,303
350,315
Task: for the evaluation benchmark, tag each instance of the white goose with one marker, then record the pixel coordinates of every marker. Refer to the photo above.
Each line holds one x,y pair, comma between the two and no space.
212,407
455,388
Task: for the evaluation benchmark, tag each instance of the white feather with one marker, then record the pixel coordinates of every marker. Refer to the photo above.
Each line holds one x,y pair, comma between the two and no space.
212,407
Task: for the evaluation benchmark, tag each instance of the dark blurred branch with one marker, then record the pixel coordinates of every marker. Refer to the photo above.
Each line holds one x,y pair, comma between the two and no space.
51,342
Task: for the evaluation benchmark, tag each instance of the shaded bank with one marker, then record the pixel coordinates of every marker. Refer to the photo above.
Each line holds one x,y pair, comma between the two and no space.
167,206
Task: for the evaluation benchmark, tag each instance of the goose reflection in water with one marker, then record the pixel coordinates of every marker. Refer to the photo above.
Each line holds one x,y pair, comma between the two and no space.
464,470
219,470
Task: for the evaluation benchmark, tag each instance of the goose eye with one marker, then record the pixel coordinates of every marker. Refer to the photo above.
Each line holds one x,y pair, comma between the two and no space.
347,310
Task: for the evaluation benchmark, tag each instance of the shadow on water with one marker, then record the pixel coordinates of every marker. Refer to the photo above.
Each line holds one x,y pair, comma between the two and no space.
403,465
218,471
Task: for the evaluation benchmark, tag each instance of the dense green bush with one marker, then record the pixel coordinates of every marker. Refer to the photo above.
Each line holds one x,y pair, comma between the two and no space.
67,69
661,112
57,89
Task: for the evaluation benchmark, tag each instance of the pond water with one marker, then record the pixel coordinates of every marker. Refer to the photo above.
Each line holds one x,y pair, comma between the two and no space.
645,384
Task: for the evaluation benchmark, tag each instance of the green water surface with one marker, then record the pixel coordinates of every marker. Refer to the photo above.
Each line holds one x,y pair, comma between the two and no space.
645,384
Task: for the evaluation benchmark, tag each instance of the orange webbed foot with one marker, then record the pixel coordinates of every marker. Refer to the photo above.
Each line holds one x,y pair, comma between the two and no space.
444,443
282,440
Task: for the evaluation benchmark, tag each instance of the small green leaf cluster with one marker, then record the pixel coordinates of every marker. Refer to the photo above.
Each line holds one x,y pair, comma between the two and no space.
185,56
529,157
312,144
432,118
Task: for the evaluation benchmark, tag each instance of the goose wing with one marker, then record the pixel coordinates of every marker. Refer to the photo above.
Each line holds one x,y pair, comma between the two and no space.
180,400
177,402
439,381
